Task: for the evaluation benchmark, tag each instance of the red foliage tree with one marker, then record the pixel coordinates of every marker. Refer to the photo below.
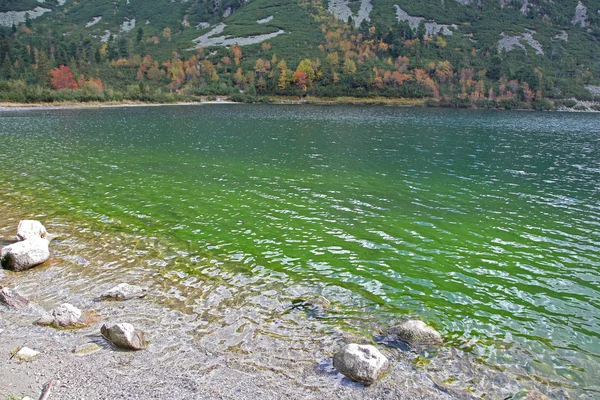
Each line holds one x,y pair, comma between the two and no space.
62,78
300,79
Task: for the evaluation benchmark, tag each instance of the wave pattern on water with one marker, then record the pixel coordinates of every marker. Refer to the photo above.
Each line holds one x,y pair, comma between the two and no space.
486,224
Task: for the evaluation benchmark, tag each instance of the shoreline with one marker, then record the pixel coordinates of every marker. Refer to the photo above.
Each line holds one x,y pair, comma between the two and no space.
5,106
274,100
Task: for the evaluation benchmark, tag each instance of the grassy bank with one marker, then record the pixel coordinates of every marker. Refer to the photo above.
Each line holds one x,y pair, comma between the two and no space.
403,102
272,99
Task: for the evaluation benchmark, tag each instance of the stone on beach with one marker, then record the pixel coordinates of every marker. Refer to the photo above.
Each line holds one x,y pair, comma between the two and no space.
64,316
25,254
31,229
124,291
26,354
361,363
417,333
11,299
124,335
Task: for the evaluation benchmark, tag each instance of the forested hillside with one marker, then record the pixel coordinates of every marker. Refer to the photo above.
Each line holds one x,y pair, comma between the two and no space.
484,53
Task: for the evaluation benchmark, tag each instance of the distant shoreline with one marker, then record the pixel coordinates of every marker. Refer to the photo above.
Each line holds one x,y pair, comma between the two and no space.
402,102
5,106
278,100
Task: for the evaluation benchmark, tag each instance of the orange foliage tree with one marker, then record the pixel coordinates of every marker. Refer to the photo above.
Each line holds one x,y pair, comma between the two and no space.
62,78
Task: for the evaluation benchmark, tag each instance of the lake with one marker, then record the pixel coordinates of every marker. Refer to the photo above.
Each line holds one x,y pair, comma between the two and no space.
485,224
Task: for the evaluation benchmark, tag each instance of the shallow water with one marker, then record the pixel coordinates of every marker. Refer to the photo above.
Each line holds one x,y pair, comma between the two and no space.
485,224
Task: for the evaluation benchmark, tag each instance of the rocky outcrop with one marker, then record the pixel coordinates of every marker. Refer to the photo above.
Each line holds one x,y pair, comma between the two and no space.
210,39
342,11
264,20
509,43
11,299
26,254
125,336
11,18
65,316
431,28
124,291
416,333
361,363
580,18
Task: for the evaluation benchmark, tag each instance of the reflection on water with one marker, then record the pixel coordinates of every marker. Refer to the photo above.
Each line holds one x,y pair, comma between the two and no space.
486,224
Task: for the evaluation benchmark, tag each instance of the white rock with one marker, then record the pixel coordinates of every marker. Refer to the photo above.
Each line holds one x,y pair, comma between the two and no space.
67,315
64,316
26,354
361,363
31,229
25,254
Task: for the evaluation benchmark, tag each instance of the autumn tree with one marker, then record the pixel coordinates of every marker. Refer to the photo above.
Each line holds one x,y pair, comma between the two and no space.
209,71
167,33
305,74
94,86
236,52
62,78
283,81
300,79
349,67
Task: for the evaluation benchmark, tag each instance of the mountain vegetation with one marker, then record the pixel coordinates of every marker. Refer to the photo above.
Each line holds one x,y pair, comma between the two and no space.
458,53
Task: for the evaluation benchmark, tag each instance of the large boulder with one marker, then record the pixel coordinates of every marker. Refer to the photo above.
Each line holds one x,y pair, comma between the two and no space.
125,336
124,291
31,229
65,316
361,363
11,299
417,334
26,254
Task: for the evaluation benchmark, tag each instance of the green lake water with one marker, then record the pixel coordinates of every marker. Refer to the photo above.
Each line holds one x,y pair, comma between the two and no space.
484,224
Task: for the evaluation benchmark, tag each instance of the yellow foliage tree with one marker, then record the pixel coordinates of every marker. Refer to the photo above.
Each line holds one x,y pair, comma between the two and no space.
167,33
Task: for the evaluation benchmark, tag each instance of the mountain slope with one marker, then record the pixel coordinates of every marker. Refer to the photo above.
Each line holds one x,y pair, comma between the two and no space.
553,46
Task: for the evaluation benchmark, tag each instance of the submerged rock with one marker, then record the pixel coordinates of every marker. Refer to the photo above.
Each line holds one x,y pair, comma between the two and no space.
125,336
65,316
31,229
312,302
11,299
535,395
87,348
124,291
416,333
26,254
26,354
361,363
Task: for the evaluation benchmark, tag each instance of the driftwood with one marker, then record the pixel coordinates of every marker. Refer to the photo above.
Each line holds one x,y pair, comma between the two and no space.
47,389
